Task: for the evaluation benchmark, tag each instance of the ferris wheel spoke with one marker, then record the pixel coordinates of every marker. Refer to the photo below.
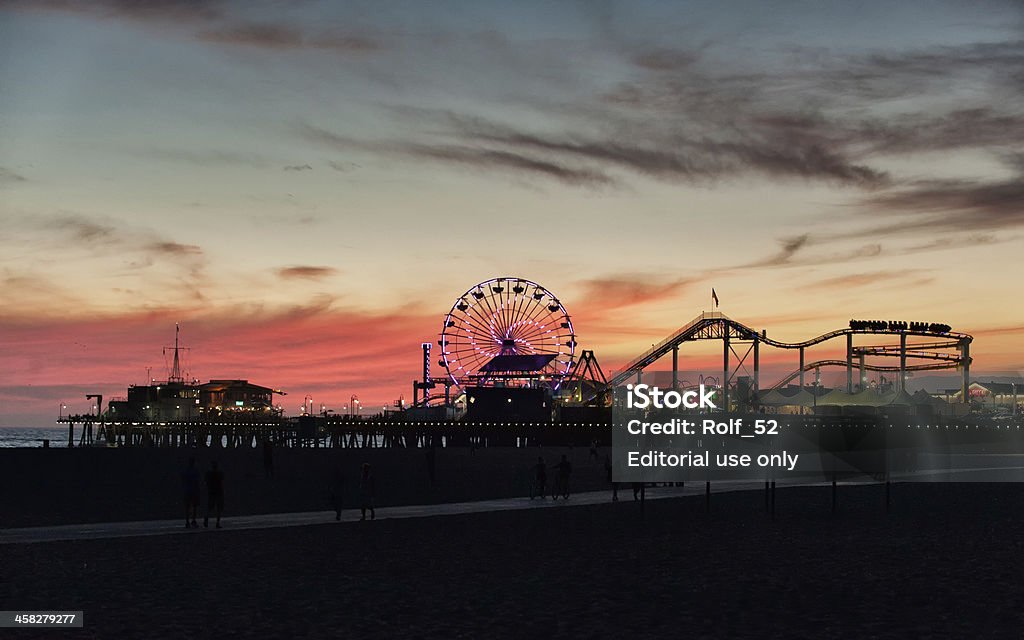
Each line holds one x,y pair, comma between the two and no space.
482,322
506,305
522,304
532,309
478,325
526,331
540,323
497,315
538,335
539,314
487,316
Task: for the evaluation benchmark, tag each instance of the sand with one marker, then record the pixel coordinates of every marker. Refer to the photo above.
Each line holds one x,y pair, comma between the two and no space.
945,562
70,486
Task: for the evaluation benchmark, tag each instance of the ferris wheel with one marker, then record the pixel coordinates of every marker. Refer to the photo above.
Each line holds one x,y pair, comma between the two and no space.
507,328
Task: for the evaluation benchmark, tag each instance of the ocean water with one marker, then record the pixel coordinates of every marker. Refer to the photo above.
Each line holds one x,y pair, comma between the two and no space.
18,437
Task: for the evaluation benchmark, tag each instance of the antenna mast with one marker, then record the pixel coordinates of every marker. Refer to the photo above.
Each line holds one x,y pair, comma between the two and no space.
176,367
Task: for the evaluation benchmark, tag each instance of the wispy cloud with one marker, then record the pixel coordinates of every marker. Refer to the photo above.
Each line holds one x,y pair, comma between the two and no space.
146,10
281,37
175,248
474,157
8,175
871,278
629,290
298,167
306,272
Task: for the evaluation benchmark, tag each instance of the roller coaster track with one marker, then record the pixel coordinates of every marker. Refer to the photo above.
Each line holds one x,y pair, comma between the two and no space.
714,325
869,367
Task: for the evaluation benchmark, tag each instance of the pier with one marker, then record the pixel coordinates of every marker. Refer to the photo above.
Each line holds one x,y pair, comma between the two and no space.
327,432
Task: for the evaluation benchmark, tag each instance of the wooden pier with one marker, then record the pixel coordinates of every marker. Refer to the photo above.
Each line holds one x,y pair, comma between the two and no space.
327,432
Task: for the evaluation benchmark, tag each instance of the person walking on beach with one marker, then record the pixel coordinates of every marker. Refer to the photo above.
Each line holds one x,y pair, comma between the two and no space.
268,458
337,490
564,470
214,494
639,489
367,491
431,462
190,487
540,478
608,471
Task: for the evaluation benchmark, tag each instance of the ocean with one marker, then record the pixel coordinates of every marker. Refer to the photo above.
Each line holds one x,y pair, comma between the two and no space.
32,438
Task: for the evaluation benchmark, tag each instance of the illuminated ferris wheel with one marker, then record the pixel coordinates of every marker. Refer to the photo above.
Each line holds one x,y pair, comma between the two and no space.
507,329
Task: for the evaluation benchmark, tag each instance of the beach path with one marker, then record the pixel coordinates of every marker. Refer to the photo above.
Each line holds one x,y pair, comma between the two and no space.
104,530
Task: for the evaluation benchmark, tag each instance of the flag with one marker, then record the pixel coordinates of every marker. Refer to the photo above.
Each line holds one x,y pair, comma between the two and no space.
714,296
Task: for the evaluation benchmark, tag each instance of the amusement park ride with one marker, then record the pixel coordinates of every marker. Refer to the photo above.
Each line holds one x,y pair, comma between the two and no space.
508,343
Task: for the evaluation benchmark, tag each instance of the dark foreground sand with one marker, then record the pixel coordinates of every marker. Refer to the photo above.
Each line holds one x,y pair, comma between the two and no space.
945,562
70,486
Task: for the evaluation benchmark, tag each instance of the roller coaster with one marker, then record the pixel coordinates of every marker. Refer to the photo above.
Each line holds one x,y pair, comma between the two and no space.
944,349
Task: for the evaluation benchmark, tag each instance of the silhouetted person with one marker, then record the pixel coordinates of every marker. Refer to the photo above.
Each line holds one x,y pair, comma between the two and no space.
337,491
593,449
190,488
268,458
540,477
431,463
214,494
608,471
367,491
638,488
564,468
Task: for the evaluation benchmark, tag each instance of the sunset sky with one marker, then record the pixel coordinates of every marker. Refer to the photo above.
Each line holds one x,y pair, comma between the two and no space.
307,187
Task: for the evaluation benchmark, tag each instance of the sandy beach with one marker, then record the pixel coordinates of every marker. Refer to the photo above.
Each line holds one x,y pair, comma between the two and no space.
64,486
945,562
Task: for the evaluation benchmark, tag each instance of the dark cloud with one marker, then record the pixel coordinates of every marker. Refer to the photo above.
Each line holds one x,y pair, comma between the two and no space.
277,36
979,127
498,159
306,272
665,59
793,253
298,167
81,228
790,247
7,175
218,21
342,167
956,241
162,10
475,157
951,205
175,249
873,278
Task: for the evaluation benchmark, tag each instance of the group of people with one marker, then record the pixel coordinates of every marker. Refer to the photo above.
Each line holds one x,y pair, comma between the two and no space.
214,479
540,479
367,492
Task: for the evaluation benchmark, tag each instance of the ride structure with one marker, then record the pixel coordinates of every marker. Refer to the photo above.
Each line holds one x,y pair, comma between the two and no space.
922,347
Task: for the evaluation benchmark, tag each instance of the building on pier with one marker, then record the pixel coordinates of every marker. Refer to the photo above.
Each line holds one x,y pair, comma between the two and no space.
176,401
